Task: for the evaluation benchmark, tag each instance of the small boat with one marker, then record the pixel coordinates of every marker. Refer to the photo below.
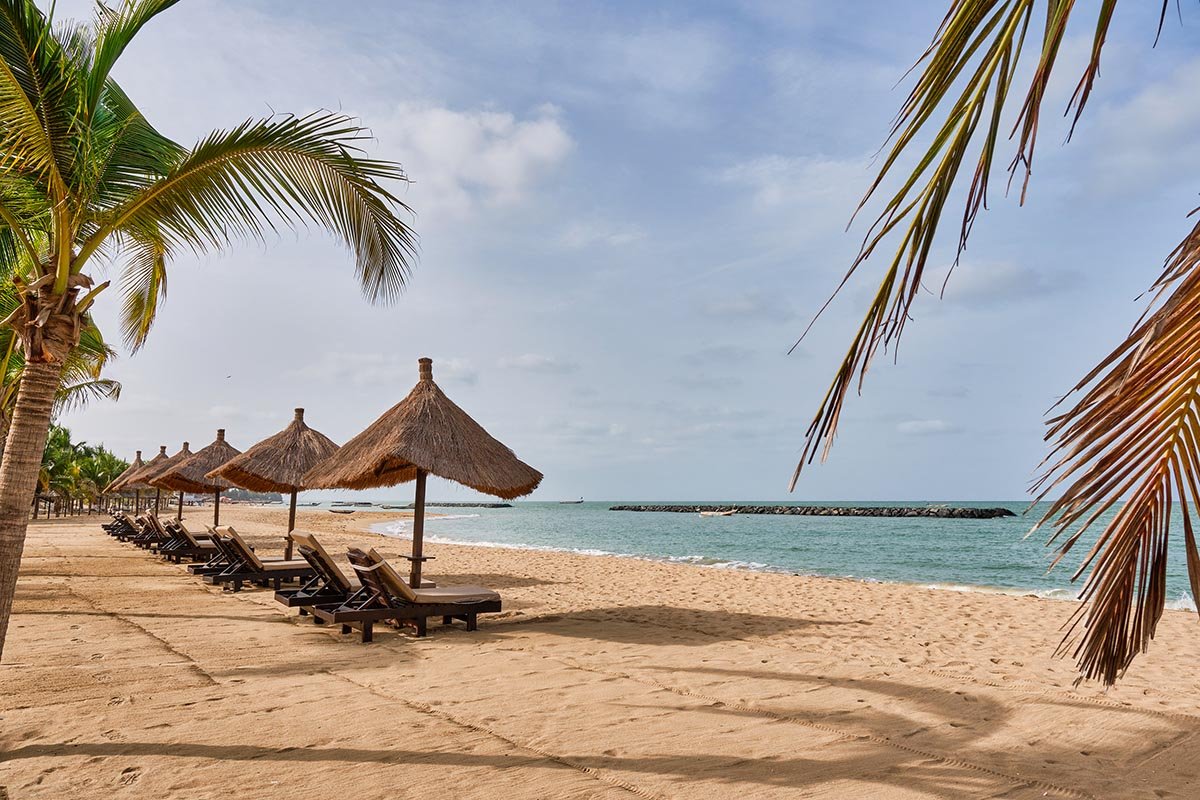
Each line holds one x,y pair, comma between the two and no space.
570,502
341,511
728,513
393,507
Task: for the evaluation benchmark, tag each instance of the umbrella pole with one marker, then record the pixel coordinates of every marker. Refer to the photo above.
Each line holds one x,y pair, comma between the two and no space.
216,508
179,513
287,550
137,501
414,578
157,500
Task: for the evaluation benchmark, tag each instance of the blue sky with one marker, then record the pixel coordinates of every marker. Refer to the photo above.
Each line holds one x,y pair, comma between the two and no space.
628,213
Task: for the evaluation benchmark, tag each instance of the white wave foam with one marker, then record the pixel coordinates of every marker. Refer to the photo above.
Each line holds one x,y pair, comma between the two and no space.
1182,603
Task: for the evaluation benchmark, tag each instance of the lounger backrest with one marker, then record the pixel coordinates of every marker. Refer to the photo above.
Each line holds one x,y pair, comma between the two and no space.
367,570
240,545
192,540
391,579
226,548
321,560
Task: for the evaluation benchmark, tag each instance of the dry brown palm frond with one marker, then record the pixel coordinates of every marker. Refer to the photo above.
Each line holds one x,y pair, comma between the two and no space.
1135,434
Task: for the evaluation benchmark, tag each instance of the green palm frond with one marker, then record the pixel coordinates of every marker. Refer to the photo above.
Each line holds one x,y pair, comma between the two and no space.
288,170
143,285
74,396
1135,430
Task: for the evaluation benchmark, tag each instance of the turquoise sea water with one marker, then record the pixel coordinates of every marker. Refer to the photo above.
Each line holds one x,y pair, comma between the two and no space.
963,554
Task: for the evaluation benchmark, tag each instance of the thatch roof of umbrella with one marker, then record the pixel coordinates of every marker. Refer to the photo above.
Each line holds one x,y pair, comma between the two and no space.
188,475
425,431
152,471
115,484
137,480
278,463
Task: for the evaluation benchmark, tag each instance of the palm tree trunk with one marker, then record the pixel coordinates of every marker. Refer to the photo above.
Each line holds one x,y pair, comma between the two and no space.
19,473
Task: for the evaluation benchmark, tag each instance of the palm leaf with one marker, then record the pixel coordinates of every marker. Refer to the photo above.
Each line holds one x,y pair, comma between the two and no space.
1135,433
72,397
286,170
1135,430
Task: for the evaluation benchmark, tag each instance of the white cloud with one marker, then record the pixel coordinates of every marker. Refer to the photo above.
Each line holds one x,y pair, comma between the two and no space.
926,427
819,183
581,235
461,160
999,284
751,304
534,362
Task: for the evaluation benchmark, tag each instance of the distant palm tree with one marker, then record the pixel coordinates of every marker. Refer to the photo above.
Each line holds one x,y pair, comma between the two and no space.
1135,430
86,178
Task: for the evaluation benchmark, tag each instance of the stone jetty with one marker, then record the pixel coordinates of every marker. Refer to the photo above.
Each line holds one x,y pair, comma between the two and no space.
939,512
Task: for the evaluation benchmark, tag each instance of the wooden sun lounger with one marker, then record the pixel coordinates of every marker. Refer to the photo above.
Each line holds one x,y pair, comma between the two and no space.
328,587
385,596
246,566
184,544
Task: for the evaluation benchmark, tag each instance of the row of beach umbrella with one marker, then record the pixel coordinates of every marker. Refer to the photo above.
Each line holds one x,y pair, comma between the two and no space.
424,434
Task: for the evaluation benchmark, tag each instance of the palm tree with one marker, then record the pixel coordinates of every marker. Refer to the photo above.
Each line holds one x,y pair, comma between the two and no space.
80,381
86,178
1133,431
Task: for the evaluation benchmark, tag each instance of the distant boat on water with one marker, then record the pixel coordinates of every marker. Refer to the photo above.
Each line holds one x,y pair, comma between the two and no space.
728,513
341,511
570,502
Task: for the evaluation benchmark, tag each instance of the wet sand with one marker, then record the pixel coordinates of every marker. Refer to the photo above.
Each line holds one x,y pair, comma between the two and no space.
126,677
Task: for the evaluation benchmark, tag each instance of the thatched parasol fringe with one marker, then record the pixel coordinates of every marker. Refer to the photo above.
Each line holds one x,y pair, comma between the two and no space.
278,463
189,475
425,431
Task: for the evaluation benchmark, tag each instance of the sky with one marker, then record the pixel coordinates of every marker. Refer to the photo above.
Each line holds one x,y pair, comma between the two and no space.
628,213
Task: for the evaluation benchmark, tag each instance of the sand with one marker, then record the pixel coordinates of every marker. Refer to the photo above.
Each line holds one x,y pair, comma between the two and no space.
604,678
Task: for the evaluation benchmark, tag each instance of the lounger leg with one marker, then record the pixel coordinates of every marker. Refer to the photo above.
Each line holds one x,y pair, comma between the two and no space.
368,629
471,621
446,620
303,612
345,629
421,626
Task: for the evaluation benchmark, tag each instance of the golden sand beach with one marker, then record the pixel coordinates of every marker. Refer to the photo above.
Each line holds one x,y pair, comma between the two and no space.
126,677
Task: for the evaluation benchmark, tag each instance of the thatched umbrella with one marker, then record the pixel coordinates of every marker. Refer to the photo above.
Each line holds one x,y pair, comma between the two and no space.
277,464
153,471
189,475
115,484
140,480
424,434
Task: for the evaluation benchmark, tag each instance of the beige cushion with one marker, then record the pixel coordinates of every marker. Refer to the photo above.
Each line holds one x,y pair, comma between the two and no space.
455,594
444,594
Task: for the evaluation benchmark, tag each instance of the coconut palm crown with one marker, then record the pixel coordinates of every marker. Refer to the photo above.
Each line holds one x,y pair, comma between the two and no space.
1129,430
86,180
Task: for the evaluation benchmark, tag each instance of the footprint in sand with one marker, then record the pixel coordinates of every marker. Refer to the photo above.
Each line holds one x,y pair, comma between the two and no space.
113,736
130,775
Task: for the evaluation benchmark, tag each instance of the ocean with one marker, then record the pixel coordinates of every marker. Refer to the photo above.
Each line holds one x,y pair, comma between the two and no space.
990,555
